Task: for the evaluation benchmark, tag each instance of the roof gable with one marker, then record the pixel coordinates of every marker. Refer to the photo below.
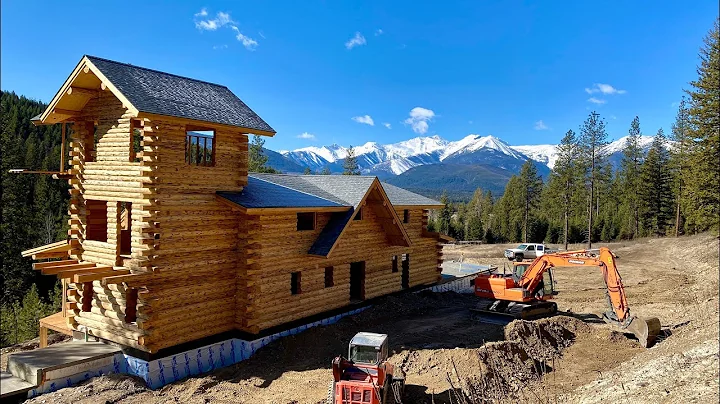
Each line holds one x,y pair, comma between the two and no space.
153,92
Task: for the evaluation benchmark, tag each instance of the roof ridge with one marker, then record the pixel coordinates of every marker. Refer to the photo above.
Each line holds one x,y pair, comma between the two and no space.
154,70
317,175
297,190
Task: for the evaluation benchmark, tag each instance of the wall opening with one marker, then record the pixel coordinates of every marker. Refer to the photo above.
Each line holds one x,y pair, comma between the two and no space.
97,220
405,278
329,278
295,279
359,214
306,221
131,297
406,216
394,263
200,147
87,296
136,135
357,281
125,223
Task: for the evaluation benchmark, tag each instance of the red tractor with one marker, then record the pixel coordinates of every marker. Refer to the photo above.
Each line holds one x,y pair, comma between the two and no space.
366,377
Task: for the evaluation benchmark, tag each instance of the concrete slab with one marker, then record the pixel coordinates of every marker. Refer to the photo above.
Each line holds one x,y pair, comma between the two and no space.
60,360
11,386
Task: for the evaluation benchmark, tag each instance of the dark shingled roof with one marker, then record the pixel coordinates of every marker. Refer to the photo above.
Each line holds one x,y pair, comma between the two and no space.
281,191
263,194
161,93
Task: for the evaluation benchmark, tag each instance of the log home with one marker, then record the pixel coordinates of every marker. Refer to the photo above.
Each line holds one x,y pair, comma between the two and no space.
172,241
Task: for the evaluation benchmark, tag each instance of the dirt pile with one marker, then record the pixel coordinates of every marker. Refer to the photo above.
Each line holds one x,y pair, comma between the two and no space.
506,368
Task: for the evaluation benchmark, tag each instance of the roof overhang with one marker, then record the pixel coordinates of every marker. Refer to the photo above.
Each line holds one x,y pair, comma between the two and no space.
280,209
84,83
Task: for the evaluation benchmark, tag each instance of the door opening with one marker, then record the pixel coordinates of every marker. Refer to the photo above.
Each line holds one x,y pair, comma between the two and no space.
357,281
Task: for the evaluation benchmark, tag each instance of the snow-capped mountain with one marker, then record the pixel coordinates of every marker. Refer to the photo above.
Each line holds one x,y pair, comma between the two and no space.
396,158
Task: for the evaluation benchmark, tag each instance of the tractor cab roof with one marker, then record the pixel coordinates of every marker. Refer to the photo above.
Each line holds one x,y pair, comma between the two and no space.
369,339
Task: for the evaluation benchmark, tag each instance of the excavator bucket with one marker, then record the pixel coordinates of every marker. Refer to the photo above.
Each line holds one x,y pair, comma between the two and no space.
645,330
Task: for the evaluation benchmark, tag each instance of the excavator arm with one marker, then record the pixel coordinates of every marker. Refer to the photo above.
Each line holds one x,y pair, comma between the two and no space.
645,330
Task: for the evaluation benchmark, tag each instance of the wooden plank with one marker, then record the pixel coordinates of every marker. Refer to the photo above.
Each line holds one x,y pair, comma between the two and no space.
52,247
49,255
82,278
61,268
72,272
41,265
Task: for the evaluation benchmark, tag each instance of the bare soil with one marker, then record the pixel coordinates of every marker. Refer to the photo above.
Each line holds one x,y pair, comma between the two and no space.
573,357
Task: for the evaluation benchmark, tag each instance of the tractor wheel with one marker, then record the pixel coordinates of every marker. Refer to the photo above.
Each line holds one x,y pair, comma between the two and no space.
519,257
331,393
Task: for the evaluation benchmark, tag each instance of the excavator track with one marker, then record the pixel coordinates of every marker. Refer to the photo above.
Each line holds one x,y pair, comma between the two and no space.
503,312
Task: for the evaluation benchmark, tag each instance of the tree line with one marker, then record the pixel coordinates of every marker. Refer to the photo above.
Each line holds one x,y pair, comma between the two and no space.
672,189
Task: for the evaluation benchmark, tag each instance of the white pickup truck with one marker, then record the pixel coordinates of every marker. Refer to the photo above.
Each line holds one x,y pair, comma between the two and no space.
527,251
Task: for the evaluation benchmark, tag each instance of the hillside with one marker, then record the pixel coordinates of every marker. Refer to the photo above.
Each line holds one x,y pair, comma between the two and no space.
460,181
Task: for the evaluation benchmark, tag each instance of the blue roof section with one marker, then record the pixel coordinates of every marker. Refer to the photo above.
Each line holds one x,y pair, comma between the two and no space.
330,233
264,194
161,93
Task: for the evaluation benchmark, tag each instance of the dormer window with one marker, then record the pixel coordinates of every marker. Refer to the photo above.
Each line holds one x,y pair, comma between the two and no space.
200,147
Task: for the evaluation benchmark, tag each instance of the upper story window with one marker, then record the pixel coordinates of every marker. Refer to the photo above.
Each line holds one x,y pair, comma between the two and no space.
200,147
306,221
406,216
136,135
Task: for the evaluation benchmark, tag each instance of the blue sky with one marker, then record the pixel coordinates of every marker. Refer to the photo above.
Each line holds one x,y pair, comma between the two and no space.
523,71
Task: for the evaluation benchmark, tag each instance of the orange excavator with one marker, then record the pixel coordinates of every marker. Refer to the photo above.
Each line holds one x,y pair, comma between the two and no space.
526,293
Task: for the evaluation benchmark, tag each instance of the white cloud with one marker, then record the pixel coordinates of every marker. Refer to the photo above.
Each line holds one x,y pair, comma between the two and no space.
604,89
540,125
378,32
249,43
357,40
220,20
419,118
596,100
305,135
387,125
216,47
367,119
261,34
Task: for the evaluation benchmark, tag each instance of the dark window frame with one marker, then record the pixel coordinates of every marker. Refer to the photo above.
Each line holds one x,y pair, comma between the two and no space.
329,277
296,283
197,160
358,214
406,216
394,263
303,221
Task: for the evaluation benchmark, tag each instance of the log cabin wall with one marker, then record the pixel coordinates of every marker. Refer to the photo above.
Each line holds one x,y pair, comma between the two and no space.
275,249
108,179
195,261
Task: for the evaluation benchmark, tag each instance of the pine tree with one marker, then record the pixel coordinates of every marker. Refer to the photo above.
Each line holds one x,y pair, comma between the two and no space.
679,158
564,181
257,160
593,139
630,169
656,189
703,179
325,171
307,171
445,216
531,185
350,166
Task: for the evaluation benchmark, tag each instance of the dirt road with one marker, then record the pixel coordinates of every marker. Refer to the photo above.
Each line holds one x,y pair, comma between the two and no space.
432,336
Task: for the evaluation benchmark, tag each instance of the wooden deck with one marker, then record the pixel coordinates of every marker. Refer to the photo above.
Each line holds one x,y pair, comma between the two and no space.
55,322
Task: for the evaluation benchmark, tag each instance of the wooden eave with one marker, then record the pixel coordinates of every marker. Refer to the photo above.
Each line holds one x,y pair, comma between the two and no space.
204,124
74,97
418,206
387,205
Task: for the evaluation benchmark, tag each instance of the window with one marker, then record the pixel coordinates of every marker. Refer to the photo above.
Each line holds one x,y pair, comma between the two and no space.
200,147
97,220
306,221
329,281
136,135
359,214
531,248
406,216
131,296
395,263
295,283
125,221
